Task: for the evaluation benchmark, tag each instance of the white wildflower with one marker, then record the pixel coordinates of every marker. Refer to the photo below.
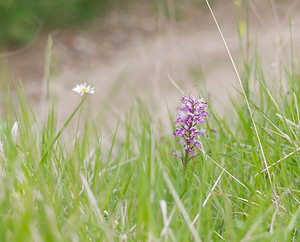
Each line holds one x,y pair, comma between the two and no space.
84,88
106,214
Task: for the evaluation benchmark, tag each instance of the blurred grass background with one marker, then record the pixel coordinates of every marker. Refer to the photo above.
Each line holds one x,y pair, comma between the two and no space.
20,20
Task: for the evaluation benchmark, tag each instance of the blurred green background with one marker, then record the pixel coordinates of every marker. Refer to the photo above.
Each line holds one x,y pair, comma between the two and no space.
20,20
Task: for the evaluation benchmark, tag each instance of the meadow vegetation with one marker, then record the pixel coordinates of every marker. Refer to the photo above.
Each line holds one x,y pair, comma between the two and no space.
241,189
244,186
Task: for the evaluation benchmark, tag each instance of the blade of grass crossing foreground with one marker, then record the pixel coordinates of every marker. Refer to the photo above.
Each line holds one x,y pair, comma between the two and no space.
244,93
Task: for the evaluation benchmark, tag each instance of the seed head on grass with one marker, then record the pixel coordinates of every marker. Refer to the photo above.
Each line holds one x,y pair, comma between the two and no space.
1,149
15,131
192,114
83,89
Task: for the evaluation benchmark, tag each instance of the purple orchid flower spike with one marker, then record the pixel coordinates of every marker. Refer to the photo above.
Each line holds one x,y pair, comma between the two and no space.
192,113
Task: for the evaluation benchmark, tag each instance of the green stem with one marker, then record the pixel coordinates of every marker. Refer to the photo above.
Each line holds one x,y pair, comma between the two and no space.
61,130
78,123
184,162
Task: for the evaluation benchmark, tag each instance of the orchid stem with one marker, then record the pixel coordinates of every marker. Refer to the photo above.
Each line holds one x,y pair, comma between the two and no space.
185,162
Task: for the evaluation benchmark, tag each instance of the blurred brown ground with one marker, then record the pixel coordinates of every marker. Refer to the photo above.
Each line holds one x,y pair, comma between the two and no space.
138,51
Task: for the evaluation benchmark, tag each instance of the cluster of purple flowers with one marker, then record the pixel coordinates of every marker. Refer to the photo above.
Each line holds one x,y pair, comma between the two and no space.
192,113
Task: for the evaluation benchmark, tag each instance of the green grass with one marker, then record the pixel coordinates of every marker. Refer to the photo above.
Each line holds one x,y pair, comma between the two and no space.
122,184
56,188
